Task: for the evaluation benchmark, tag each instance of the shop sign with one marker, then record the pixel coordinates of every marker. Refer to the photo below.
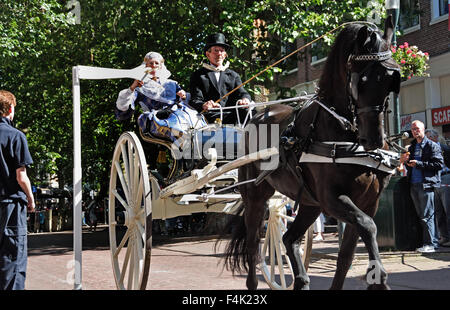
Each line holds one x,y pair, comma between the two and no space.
440,116
405,120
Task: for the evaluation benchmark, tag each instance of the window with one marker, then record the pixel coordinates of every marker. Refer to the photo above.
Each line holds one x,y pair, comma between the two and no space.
439,10
409,14
443,7
319,52
289,63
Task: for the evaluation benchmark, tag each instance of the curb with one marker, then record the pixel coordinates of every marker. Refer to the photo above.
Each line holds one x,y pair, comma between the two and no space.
401,256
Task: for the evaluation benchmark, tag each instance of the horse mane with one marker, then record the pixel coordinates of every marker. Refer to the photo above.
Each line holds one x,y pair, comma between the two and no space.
333,78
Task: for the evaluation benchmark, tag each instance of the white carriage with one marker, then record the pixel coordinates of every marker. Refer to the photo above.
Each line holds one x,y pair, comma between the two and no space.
138,196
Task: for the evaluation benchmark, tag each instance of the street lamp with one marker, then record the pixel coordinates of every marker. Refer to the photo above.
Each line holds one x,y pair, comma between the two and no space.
393,8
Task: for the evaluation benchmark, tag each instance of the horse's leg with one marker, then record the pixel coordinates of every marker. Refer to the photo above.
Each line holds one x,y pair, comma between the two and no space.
292,240
254,216
254,199
345,210
345,256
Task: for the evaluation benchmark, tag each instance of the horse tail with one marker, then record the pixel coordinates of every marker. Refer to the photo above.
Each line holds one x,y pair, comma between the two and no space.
236,255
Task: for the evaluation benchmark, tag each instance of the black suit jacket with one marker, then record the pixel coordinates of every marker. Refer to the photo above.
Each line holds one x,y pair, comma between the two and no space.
446,154
204,87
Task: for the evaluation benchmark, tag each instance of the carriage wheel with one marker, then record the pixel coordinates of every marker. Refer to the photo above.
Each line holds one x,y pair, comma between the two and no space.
130,217
275,264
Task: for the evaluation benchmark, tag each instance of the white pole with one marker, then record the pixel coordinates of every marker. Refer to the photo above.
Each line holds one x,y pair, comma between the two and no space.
93,73
77,194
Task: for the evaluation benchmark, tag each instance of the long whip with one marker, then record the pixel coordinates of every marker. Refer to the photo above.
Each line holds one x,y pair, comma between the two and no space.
292,53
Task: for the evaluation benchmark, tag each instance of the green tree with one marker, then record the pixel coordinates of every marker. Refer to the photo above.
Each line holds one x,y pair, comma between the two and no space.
40,43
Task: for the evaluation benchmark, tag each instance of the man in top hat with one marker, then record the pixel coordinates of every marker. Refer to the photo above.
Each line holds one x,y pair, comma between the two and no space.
214,80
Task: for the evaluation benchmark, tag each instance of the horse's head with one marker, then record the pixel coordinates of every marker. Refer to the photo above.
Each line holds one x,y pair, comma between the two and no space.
372,75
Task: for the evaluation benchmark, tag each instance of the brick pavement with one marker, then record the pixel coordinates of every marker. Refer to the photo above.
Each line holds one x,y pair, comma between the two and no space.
191,264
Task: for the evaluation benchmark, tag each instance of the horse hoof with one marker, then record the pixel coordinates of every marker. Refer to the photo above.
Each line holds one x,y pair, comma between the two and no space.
301,286
378,287
252,285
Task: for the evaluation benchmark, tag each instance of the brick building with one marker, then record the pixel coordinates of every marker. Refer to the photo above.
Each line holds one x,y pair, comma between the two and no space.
423,23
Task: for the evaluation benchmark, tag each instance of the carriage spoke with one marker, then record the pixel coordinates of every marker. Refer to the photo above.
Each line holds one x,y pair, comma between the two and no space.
141,250
280,264
136,172
132,259
125,265
122,243
138,260
141,231
140,243
139,197
126,163
272,254
142,219
266,239
123,202
133,160
122,181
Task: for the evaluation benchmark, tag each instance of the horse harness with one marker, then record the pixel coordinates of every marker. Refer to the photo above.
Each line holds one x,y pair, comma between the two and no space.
335,152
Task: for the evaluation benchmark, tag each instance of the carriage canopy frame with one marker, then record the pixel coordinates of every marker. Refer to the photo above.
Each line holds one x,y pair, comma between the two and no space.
86,73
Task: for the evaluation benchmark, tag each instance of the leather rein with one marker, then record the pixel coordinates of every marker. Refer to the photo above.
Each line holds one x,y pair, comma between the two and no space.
353,79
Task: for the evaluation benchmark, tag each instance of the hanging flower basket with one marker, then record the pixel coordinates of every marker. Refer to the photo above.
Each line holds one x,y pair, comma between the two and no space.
413,62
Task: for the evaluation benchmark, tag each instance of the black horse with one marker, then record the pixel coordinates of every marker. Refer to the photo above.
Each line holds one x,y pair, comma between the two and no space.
351,100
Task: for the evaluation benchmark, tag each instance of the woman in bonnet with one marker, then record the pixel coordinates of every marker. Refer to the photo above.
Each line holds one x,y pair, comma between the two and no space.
157,93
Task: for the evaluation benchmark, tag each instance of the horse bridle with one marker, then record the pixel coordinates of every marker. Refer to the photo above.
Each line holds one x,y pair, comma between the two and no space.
354,78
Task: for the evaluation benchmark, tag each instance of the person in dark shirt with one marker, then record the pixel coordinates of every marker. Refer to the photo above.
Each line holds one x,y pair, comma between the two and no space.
15,197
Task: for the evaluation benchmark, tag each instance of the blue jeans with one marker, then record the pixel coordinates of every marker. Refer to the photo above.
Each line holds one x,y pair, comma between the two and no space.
13,245
423,200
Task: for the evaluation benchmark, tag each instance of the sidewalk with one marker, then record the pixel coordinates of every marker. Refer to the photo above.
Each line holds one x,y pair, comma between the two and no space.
190,264
407,270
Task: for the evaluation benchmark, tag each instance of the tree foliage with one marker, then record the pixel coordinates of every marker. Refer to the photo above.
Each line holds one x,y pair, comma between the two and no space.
40,43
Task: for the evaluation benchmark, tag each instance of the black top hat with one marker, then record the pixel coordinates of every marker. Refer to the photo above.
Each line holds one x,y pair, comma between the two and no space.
216,39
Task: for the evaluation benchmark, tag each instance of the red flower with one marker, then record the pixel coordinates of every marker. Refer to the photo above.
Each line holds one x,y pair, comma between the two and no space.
408,51
406,44
414,55
401,46
402,61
